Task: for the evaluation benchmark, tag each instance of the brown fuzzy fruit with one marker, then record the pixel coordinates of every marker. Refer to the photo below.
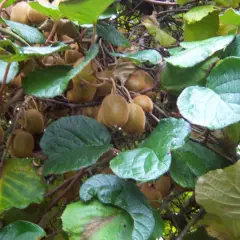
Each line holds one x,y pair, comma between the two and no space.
22,144
35,17
33,121
87,70
71,56
163,185
91,112
52,61
144,102
153,195
136,120
100,117
28,67
138,81
1,134
19,13
107,87
115,110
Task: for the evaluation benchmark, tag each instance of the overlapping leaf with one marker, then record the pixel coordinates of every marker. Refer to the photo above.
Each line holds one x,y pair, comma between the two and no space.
12,71
230,16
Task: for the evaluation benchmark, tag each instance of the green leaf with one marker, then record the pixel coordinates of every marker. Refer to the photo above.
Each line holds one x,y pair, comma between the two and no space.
30,34
233,132
192,161
8,3
109,222
230,16
162,37
175,79
181,2
218,192
110,34
110,12
199,234
196,14
47,10
53,81
233,49
206,28
22,230
109,189
140,164
18,53
20,185
84,12
72,143
199,51
215,106
228,3
12,71
151,56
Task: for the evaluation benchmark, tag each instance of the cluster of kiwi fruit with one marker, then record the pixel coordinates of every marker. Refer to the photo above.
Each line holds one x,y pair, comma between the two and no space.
21,142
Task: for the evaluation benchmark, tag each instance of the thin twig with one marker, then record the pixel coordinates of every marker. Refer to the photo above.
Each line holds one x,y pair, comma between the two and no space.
4,81
161,3
53,31
2,4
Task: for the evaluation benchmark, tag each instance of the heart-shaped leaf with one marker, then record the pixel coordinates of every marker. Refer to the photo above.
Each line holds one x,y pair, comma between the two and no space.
217,105
72,143
22,230
53,81
192,161
199,51
12,71
20,185
109,189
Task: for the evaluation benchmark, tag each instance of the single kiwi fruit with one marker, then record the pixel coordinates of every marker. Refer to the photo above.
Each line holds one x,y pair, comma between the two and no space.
163,185
32,120
71,56
115,110
34,16
138,81
91,112
152,194
52,60
1,134
19,13
100,117
136,120
22,144
144,102
107,87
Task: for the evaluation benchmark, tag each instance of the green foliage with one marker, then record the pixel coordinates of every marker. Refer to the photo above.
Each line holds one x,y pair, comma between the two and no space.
12,71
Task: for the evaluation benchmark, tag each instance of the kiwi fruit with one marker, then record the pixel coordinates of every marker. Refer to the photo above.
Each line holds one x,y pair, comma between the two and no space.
91,112
34,16
163,185
71,56
1,134
152,194
115,110
136,120
28,67
52,60
100,117
138,81
22,144
144,102
19,13
87,70
107,87
32,120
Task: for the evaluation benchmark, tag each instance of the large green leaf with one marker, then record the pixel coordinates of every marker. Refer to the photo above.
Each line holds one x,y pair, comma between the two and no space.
11,73
151,56
233,133
162,37
199,51
22,230
30,34
47,10
8,3
230,16
20,185
175,79
84,12
192,161
109,189
109,221
72,143
110,33
228,3
217,105
18,53
53,81
140,164
233,49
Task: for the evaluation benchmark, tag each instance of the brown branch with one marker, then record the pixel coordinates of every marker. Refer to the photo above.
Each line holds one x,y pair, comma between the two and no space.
53,31
5,78
161,3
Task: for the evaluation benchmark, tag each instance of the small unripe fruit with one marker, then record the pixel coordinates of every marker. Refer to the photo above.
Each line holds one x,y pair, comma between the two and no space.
144,102
138,81
22,144
91,112
1,134
33,121
71,56
100,117
52,61
115,110
34,16
19,13
107,87
136,120
163,185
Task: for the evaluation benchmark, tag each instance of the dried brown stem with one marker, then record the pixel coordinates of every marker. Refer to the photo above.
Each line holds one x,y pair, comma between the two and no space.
5,78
